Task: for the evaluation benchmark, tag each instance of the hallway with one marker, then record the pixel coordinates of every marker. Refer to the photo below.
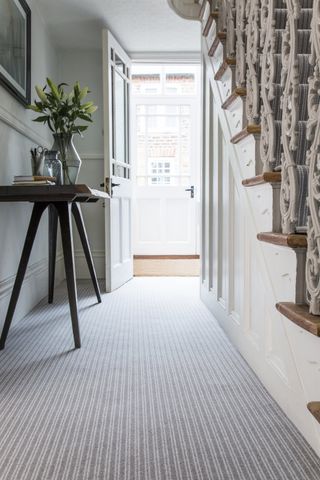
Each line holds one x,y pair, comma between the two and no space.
156,392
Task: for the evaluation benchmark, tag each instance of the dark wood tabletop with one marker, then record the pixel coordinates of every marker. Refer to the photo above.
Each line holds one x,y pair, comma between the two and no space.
50,193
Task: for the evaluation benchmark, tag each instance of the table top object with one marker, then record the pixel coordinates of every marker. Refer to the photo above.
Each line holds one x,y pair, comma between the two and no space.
50,193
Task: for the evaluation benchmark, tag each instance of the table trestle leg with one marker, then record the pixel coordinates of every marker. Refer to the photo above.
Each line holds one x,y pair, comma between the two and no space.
76,210
37,211
64,212
53,228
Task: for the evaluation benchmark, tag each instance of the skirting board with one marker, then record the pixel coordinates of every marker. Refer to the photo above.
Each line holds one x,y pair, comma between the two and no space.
34,288
82,271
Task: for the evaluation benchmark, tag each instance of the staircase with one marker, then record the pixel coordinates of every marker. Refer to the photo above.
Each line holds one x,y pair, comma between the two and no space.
261,191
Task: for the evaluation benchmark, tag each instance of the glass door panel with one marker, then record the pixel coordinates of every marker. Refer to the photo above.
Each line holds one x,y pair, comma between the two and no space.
163,144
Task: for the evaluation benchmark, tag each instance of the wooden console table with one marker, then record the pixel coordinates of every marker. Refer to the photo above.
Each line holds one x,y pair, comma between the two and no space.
62,201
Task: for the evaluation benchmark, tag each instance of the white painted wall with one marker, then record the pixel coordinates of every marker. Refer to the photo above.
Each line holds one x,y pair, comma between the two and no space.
17,135
86,67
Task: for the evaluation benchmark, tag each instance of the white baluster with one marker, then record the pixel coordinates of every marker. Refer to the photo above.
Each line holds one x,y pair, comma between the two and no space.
313,160
253,58
231,32
267,44
241,24
290,117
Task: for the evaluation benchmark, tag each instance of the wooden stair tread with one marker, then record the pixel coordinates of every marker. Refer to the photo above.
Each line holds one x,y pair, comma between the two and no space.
314,408
267,177
299,314
208,24
221,37
237,92
228,62
203,9
293,240
249,130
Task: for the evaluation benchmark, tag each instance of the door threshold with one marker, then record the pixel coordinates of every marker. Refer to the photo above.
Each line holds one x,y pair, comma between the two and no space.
166,266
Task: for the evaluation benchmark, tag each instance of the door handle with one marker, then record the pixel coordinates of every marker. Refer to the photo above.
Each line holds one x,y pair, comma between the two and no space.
191,190
112,184
109,187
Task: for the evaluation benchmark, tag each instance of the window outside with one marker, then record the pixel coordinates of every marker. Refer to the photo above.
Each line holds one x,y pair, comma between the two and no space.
163,128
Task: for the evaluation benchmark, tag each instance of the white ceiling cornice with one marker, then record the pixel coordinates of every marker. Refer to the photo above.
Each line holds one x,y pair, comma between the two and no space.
166,57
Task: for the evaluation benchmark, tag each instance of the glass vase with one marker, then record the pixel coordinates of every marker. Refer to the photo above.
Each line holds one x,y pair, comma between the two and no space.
70,159
53,166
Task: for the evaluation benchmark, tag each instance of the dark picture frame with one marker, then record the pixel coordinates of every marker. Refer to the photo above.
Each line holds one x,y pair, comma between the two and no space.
15,49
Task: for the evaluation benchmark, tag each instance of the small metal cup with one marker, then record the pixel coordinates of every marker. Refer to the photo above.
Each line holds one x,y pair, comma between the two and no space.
37,161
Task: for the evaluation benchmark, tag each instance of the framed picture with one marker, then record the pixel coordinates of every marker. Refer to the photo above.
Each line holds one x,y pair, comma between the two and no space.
15,48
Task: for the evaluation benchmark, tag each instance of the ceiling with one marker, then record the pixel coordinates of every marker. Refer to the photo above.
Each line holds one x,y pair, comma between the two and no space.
139,25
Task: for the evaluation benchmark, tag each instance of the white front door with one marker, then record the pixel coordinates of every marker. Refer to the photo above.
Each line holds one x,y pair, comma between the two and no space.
117,165
166,152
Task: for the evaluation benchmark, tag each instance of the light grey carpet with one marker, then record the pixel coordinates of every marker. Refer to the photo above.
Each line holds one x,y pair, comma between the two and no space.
156,392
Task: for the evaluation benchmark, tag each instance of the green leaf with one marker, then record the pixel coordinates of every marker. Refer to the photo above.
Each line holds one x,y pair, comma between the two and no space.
83,93
54,89
85,117
76,90
39,105
42,119
92,109
81,128
41,94
61,110
34,108
87,105
50,125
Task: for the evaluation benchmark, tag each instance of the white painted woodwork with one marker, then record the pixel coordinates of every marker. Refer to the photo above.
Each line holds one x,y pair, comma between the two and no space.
241,21
166,218
231,28
290,107
165,222
118,209
211,34
268,70
242,278
237,117
313,134
253,11
206,13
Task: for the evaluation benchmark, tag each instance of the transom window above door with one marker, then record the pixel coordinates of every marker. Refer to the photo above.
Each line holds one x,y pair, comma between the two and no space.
165,80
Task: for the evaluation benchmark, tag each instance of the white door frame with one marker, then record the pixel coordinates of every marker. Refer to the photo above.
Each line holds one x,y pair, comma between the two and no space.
195,105
118,172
